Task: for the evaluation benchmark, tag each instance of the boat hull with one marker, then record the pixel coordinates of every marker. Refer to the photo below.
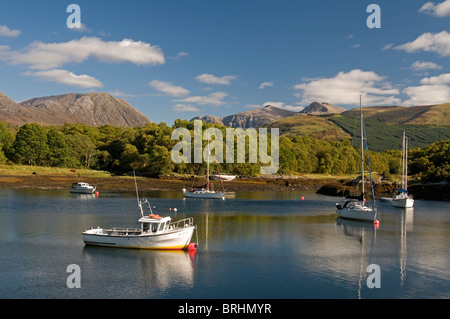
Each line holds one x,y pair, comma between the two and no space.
204,195
357,214
403,202
173,240
83,191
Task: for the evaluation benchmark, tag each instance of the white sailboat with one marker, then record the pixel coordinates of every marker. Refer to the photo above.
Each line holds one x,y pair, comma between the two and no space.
357,209
204,191
403,199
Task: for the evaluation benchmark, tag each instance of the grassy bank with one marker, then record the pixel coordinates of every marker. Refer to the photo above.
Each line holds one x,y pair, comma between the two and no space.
20,170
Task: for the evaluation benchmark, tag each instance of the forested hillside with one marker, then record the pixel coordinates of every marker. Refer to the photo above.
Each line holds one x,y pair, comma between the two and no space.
147,150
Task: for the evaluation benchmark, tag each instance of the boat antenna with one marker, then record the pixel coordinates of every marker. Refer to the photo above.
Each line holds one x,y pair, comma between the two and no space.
137,196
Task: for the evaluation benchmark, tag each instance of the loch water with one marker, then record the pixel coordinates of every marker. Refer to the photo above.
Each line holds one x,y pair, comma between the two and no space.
252,245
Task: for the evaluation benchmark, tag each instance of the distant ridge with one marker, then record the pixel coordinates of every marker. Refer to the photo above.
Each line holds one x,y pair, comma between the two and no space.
253,118
94,109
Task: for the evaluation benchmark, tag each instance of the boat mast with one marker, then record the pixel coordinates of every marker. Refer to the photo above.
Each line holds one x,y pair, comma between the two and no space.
403,161
406,162
207,167
362,148
137,196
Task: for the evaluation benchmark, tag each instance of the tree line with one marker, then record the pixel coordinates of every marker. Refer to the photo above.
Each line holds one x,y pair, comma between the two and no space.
147,150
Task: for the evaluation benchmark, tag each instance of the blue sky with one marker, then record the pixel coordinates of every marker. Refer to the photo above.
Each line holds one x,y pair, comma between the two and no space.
179,59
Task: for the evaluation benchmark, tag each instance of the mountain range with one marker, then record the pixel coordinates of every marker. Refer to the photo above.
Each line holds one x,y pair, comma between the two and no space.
384,124
93,109
268,114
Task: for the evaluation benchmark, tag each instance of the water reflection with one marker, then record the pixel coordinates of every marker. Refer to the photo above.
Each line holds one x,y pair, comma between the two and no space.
365,234
260,245
156,270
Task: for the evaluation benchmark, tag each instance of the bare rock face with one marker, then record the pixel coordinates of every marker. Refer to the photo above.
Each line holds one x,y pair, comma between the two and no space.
94,109
209,119
316,108
254,118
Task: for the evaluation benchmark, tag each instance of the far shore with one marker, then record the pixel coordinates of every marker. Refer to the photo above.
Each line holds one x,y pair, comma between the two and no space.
126,183
23,177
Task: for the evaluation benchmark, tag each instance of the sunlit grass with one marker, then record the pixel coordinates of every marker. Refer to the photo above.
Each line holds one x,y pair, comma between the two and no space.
43,170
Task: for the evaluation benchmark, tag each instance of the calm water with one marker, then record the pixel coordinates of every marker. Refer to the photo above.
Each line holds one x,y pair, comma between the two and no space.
252,245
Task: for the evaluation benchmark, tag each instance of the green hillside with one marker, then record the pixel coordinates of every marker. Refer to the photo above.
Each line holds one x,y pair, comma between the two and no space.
381,136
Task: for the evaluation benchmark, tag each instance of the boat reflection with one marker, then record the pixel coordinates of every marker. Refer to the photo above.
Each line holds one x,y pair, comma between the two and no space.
158,269
363,232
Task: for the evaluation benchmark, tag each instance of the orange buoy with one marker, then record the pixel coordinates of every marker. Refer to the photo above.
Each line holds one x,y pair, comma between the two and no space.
302,198
376,222
96,194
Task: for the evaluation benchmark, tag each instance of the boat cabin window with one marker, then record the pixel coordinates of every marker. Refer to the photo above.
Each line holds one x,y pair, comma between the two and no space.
162,226
155,227
145,227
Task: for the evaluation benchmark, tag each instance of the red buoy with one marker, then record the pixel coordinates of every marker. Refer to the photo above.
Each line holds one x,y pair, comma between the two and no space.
192,247
302,198
96,194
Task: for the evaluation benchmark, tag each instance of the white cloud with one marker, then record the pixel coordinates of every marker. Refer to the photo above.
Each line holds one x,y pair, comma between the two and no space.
427,94
434,90
425,65
387,47
265,84
440,79
7,32
185,108
180,55
215,98
68,78
438,10
212,79
120,94
169,88
345,88
39,55
429,42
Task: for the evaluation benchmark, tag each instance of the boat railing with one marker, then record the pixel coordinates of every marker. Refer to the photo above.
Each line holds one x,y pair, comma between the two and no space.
123,231
186,222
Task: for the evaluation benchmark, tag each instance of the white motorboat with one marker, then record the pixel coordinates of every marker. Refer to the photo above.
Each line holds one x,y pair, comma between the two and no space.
82,188
155,232
223,177
403,199
357,209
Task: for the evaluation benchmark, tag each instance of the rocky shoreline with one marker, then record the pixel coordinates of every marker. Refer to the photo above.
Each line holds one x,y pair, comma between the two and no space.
330,187
438,191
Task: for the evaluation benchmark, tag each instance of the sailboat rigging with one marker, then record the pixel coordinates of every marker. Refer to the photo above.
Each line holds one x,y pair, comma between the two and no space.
357,209
204,191
403,199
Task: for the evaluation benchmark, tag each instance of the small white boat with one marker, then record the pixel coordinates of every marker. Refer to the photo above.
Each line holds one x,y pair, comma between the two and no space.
225,177
356,210
82,188
203,193
155,232
403,199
